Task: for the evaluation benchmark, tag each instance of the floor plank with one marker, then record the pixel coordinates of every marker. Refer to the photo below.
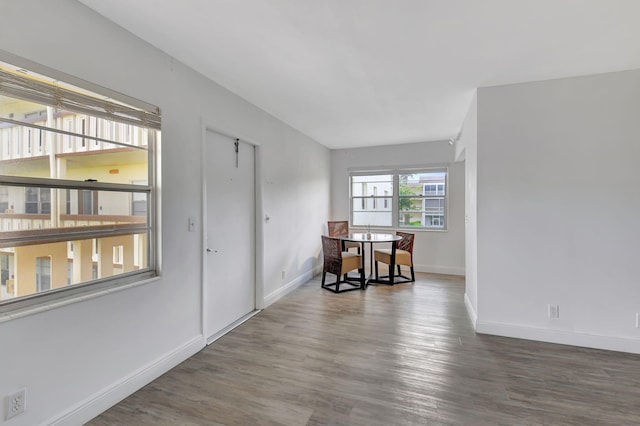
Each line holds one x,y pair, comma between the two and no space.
401,355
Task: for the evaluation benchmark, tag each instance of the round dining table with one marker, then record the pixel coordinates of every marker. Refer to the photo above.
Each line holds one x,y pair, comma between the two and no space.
373,238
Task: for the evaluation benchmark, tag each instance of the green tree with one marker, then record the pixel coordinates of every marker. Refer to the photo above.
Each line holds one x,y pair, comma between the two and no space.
406,189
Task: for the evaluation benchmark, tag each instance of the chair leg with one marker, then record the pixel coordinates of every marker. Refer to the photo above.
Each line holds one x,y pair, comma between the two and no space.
391,274
413,276
324,274
399,270
377,270
362,284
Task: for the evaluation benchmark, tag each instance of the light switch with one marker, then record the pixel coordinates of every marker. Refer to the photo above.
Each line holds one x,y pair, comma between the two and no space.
192,224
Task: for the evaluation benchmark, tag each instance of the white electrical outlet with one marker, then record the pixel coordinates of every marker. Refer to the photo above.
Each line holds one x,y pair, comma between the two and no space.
191,224
554,311
15,404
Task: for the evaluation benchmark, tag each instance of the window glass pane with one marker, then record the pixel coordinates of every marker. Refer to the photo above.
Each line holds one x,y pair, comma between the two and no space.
425,183
421,199
43,274
372,200
79,156
371,185
422,212
52,266
371,218
4,199
434,206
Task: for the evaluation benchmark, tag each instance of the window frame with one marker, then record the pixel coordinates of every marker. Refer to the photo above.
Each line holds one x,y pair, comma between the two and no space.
395,203
28,304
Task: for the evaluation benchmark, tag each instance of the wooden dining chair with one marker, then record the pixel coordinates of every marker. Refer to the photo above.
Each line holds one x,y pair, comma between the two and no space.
404,256
338,263
341,227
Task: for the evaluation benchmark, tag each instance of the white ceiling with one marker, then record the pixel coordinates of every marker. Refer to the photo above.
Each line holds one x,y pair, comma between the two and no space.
353,73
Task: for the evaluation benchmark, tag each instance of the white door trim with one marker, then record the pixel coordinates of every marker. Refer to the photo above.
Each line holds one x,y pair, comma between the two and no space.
259,227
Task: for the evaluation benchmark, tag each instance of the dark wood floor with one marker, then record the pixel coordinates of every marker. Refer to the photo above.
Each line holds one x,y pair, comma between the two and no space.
402,355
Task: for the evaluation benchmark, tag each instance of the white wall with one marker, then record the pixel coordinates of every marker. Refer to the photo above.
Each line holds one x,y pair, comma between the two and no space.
76,360
467,150
434,251
558,203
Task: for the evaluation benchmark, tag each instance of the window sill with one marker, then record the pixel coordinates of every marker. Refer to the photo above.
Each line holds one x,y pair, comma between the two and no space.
44,306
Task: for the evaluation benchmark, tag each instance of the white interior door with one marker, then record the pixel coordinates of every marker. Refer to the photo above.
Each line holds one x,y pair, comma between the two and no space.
230,239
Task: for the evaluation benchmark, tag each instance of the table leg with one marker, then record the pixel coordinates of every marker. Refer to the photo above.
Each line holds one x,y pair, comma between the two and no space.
370,260
366,278
370,278
393,262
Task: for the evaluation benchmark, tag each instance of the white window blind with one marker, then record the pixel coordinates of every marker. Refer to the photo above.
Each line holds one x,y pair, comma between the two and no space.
61,97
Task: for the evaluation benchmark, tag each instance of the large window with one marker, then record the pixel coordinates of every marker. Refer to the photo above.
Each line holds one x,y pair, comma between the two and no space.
77,188
405,199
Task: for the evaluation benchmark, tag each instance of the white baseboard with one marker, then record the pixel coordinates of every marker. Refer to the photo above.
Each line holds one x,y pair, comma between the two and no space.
563,337
437,269
473,315
290,286
100,401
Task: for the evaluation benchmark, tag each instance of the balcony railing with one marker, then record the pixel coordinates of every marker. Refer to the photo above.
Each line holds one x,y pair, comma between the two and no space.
22,229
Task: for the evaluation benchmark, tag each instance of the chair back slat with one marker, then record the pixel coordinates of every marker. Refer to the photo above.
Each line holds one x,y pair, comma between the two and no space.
338,227
332,253
406,243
